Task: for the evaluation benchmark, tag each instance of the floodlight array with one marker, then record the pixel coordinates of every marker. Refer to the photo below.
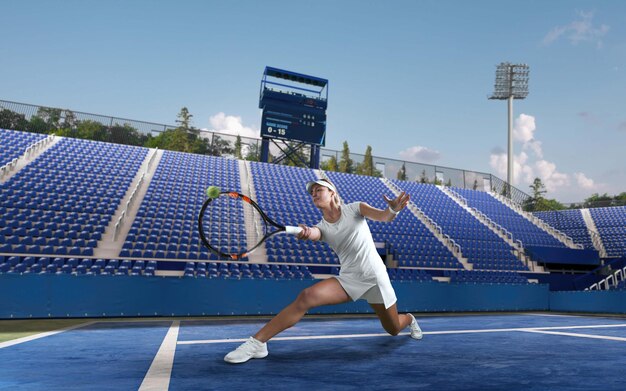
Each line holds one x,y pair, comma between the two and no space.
511,81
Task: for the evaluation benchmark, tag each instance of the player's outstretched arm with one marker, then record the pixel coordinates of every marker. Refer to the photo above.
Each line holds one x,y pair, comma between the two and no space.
394,207
309,233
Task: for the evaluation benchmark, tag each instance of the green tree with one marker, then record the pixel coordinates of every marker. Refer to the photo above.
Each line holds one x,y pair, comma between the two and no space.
51,117
12,120
423,177
346,164
475,186
253,152
37,124
69,119
65,132
199,144
238,146
402,173
505,190
184,119
186,139
330,164
219,146
92,130
538,189
161,141
449,183
597,200
171,139
367,166
126,134
536,201
180,140
620,199
551,204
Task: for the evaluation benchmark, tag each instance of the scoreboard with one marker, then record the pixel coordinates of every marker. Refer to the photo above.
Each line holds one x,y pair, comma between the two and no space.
294,107
294,123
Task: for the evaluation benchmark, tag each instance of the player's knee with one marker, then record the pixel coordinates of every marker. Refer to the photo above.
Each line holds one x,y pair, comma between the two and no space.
306,298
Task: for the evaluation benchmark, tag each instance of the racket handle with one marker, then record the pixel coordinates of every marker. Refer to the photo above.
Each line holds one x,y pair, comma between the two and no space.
292,230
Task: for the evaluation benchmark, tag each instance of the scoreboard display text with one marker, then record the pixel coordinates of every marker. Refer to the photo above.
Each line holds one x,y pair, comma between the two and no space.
294,123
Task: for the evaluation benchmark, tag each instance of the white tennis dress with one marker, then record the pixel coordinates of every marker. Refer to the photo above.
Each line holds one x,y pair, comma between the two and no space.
363,274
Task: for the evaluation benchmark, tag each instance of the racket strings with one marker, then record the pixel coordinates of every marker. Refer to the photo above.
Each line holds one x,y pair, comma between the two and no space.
231,225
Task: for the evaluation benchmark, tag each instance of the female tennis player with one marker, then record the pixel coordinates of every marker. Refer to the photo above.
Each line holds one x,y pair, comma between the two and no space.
362,274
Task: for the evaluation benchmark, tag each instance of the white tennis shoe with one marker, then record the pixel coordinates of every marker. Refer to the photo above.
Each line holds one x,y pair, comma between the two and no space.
416,332
252,348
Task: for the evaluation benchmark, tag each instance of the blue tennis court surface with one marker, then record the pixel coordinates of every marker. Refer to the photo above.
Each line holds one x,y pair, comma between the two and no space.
480,352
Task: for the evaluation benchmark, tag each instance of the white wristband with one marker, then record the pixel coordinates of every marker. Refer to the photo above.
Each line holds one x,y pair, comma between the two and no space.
393,211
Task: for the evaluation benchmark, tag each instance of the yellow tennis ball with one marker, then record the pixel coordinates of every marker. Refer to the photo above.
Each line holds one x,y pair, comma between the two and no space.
213,191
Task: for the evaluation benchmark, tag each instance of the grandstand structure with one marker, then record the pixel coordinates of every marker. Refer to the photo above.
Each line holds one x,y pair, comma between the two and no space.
76,207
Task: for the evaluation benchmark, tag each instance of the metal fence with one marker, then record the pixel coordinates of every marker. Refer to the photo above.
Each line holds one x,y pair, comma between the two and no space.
40,119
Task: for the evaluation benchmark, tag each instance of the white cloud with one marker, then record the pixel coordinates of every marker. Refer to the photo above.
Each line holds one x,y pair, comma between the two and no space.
420,154
524,129
583,181
230,124
580,30
522,172
529,164
535,146
552,179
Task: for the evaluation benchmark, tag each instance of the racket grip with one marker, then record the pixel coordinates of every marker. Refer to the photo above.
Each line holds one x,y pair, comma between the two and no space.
292,230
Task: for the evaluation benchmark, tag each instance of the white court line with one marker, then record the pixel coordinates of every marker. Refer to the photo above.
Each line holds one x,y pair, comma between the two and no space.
158,376
577,335
553,315
41,335
444,332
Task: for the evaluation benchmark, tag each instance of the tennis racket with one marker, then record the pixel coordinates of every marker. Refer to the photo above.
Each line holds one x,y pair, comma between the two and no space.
232,225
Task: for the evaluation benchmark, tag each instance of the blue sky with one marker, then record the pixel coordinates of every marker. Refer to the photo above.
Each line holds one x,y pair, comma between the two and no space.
409,78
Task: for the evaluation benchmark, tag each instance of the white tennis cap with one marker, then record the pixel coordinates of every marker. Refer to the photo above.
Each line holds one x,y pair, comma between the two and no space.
309,185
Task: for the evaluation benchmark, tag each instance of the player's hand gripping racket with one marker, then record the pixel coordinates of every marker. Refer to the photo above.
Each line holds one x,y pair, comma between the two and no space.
232,225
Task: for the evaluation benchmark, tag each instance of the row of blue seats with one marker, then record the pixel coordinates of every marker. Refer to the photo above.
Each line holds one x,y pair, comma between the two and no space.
314,251
299,258
497,277
37,249
66,241
138,227
424,256
46,198
491,265
435,263
43,226
221,266
398,274
25,265
172,235
13,144
105,208
202,253
9,229
238,271
173,246
75,262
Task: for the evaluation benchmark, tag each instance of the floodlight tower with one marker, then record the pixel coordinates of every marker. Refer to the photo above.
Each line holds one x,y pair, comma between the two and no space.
511,83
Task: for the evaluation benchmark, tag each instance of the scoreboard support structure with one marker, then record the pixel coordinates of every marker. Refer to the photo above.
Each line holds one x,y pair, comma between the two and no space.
294,115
